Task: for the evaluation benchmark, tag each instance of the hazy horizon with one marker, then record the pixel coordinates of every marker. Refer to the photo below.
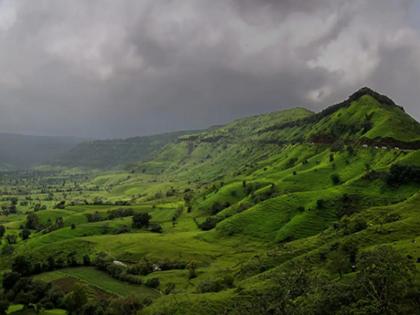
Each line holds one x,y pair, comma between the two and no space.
107,69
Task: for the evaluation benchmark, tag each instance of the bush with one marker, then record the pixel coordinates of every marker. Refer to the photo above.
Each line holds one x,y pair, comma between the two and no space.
215,285
357,225
336,180
143,267
209,223
320,203
155,228
60,205
152,283
25,233
141,220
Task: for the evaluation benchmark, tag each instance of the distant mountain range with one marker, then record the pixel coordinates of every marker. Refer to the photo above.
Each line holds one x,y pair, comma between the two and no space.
23,151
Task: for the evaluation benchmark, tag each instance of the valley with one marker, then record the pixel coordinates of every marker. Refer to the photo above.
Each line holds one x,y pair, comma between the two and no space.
282,213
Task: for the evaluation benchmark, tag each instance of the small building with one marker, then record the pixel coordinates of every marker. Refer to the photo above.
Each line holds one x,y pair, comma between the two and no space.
365,146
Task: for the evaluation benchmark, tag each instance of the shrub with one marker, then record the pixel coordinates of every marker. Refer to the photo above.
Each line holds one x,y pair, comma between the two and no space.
141,220
60,205
209,223
25,233
335,179
152,283
32,221
155,228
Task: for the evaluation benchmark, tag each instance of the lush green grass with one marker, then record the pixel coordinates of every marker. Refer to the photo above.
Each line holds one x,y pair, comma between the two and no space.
100,280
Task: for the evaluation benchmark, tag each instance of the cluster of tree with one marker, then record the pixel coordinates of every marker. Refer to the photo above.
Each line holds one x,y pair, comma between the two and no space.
60,205
265,194
141,220
383,284
250,188
38,295
33,223
39,207
403,174
347,205
110,215
188,197
216,285
209,223
10,209
217,207
351,226
122,272
177,214
27,266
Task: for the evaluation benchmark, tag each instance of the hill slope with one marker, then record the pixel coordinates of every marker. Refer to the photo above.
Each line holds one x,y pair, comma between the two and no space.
112,153
285,213
365,118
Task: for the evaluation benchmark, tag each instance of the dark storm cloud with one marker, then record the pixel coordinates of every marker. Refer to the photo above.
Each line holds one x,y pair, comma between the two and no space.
105,68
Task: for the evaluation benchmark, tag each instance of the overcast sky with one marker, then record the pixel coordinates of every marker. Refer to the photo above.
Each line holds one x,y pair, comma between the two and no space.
117,68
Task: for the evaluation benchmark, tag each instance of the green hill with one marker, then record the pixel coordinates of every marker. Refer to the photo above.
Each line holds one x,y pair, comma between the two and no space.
290,212
117,152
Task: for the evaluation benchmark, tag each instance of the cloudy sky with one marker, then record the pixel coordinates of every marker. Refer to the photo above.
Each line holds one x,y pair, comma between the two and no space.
107,68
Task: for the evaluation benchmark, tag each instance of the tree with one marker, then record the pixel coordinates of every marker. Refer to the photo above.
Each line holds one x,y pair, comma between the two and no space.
76,299
141,220
22,265
9,280
11,239
385,278
152,283
32,221
4,306
25,234
127,306
339,263
335,179
2,230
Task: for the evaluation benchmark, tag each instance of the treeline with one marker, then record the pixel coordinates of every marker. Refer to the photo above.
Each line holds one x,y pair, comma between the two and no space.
110,215
403,174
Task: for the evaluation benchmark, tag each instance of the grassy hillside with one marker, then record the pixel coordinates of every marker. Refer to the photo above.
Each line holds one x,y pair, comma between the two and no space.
285,213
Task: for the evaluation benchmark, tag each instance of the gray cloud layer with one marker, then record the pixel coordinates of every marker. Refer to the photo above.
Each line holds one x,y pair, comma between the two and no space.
106,68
